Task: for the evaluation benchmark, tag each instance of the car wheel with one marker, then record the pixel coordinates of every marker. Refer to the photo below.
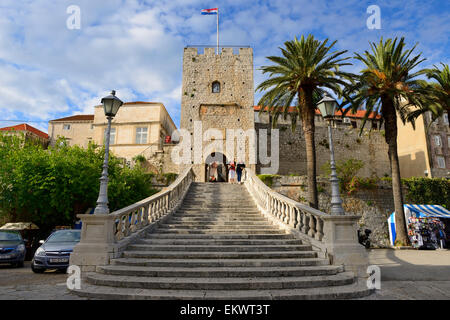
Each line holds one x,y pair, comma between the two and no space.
36,270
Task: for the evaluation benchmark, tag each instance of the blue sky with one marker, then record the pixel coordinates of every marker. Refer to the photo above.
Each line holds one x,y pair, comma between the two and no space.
135,47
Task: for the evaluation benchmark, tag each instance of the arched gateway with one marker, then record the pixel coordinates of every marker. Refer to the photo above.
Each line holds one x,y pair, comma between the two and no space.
221,174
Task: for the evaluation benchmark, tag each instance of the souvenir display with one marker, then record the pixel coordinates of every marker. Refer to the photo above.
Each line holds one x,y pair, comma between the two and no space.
426,233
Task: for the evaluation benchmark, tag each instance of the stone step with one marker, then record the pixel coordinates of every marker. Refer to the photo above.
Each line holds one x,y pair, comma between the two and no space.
215,226
218,272
251,283
216,215
215,242
218,231
218,255
229,221
352,291
230,263
218,236
219,248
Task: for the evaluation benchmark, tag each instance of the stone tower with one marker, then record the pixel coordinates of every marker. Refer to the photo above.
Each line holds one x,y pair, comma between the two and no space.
217,93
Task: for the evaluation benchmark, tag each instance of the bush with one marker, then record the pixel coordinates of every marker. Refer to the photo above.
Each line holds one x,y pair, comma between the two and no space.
346,171
49,187
268,179
428,191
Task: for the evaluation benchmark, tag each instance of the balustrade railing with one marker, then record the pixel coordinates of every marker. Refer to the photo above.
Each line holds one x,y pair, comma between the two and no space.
140,214
333,236
305,219
105,236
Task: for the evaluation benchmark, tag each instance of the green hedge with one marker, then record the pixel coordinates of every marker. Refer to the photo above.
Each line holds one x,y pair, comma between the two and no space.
428,191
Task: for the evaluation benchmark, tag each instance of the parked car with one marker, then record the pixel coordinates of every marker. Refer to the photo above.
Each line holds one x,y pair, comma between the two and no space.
12,248
54,253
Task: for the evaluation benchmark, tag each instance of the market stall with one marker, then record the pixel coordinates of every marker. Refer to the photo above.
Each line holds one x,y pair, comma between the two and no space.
428,226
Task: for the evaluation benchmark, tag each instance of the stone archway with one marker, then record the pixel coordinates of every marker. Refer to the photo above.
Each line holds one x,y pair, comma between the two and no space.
221,160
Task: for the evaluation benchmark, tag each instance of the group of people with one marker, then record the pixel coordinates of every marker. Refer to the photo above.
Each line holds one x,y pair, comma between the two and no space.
234,169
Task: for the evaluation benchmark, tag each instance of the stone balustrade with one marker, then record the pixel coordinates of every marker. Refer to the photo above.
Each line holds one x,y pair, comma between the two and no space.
105,236
335,237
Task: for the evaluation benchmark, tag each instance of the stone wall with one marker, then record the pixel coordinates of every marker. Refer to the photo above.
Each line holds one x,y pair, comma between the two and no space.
374,205
370,147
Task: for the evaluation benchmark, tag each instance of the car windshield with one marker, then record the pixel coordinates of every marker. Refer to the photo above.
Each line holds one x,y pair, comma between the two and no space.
9,236
65,236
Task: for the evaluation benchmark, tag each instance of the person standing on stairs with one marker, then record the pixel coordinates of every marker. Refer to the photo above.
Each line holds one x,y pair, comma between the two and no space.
232,171
239,170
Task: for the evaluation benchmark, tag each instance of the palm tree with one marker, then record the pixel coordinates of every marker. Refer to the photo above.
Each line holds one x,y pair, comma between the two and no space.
304,70
388,86
440,90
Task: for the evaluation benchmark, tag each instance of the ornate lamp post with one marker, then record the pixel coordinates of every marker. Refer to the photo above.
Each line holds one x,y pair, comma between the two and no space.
111,105
327,107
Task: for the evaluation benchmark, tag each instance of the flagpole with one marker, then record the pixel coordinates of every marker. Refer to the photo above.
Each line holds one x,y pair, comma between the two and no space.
217,30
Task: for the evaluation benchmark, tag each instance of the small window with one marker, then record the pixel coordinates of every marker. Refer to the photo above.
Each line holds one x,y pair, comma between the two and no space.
112,136
437,140
141,135
66,127
92,126
446,118
441,162
216,87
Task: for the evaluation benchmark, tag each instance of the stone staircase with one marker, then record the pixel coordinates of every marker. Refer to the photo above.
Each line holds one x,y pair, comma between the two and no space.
217,245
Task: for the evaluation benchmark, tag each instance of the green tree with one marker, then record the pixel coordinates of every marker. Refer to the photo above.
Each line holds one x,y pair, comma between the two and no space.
388,85
305,69
49,187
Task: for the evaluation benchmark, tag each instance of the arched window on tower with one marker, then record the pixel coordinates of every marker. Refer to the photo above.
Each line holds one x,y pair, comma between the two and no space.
216,87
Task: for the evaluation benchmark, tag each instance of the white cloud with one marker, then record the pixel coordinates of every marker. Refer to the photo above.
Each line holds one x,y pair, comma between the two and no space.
136,47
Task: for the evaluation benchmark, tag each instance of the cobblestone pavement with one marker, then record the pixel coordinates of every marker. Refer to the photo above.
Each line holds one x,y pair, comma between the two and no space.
405,275
24,284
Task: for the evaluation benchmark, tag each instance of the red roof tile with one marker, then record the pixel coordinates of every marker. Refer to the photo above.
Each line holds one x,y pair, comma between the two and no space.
26,127
358,114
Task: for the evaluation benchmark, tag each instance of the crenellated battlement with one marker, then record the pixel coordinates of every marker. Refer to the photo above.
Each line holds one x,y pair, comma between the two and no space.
211,51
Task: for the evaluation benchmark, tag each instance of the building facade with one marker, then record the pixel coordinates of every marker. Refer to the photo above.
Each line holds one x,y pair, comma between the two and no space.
425,151
139,128
76,130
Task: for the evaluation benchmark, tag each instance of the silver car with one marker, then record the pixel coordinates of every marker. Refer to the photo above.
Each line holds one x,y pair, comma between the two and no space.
54,253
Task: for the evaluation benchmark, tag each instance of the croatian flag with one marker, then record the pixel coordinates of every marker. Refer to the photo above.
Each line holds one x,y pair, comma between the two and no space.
210,11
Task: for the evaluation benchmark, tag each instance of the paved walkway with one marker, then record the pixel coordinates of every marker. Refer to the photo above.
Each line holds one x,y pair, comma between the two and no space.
405,275
412,274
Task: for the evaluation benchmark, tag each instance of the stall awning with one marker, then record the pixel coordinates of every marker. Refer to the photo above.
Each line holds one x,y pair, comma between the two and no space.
19,226
419,211
428,210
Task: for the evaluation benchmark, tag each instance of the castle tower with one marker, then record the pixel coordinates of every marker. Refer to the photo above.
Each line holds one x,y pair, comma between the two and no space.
218,93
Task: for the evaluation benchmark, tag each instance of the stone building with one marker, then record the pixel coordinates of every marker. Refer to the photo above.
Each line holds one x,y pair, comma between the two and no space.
139,128
425,151
217,93
29,132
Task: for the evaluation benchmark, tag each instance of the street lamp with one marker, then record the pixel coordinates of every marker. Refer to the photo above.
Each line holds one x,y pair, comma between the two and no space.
111,105
327,107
